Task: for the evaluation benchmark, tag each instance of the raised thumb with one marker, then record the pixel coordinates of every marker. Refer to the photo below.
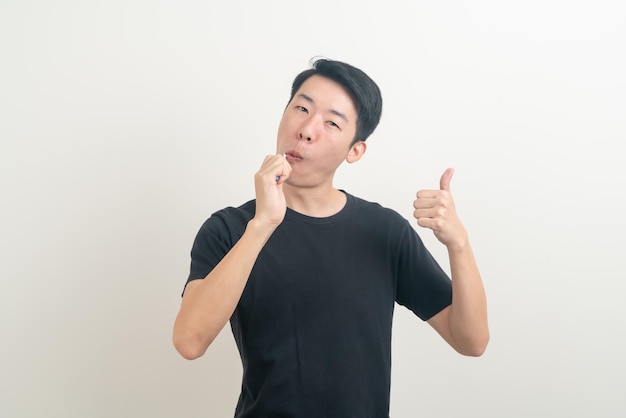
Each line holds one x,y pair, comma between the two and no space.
446,177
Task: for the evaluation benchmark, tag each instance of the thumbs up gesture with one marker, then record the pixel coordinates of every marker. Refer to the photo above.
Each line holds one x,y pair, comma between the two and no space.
434,209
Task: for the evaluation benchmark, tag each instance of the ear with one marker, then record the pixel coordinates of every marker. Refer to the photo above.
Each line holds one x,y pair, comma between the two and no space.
356,152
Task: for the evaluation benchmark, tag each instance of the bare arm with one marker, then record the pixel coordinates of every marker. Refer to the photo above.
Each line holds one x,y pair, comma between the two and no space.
208,304
463,324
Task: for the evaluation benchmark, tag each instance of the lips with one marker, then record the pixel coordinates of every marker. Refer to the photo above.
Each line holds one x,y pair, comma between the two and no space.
293,156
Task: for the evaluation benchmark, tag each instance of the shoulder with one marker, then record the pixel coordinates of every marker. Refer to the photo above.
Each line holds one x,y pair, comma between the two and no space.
230,221
244,212
376,211
381,222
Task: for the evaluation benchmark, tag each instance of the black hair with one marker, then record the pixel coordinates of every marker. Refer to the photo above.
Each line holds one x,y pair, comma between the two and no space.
363,90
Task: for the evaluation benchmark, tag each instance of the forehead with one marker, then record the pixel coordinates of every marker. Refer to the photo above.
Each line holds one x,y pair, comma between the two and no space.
328,95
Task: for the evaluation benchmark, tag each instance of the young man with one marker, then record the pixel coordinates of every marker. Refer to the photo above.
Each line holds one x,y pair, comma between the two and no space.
308,275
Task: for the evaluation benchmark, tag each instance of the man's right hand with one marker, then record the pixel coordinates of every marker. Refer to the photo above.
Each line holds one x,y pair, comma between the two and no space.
208,304
268,184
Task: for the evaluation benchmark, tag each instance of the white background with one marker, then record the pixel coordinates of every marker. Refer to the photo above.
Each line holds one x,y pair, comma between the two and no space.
125,124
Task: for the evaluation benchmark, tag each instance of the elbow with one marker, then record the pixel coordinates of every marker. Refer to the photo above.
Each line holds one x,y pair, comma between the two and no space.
189,347
188,353
476,348
476,351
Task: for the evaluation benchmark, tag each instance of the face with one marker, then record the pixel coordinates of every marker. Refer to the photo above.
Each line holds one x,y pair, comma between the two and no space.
316,131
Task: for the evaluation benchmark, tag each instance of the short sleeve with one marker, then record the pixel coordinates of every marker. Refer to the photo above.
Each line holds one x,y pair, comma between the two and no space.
216,237
423,286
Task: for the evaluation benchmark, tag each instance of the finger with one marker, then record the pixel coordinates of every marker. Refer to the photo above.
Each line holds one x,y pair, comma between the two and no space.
436,211
431,223
273,168
285,169
428,194
423,203
446,177
428,213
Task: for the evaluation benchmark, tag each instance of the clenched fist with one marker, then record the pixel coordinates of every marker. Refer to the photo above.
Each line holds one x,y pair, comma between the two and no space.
268,185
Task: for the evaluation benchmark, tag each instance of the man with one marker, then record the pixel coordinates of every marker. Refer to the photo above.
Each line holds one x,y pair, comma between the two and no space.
308,275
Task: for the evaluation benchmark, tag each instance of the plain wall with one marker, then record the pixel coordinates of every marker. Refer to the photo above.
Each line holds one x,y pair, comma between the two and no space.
125,124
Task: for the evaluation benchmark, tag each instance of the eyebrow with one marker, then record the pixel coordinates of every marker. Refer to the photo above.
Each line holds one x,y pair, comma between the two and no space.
333,111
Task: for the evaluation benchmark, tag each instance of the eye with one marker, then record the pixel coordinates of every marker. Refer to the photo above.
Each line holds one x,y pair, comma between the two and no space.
333,124
302,109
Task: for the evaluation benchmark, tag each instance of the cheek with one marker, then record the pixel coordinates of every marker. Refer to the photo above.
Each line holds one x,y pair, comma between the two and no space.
337,154
286,126
281,130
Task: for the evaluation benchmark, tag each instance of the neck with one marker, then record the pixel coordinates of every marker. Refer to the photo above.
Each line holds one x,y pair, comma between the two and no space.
317,203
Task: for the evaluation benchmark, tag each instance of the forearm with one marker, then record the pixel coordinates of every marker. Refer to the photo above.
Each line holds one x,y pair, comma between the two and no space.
208,304
468,313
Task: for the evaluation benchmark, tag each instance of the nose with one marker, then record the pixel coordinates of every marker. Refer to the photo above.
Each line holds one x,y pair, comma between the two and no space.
308,130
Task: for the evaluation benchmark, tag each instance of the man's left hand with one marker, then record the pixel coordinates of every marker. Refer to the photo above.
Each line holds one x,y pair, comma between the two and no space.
434,209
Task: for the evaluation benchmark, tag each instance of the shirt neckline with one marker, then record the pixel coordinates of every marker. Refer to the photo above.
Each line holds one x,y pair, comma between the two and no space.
297,217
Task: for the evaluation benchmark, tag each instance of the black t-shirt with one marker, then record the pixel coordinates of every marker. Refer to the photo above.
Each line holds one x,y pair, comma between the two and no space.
313,325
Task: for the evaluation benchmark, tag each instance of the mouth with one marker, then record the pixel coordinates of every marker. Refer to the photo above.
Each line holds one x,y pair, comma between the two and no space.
293,156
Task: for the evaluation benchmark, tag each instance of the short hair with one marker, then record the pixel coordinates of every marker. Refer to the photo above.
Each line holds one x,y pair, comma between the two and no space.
363,90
